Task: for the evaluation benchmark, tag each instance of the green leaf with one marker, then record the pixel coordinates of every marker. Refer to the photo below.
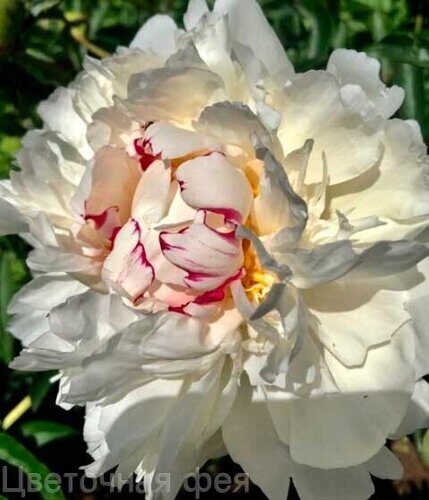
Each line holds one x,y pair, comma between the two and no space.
6,291
421,441
39,388
11,17
12,275
8,146
320,27
44,431
411,79
403,48
14,453
43,6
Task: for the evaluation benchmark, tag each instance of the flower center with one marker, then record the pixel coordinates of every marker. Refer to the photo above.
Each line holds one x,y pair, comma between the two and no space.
256,282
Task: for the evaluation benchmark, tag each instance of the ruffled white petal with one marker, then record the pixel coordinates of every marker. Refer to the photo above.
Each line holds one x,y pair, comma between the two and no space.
356,68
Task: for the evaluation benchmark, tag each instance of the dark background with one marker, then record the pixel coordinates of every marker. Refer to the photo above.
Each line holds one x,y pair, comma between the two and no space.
41,46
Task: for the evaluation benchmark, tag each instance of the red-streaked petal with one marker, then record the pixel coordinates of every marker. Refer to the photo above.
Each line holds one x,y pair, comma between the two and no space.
107,222
208,303
127,269
209,257
114,179
145,153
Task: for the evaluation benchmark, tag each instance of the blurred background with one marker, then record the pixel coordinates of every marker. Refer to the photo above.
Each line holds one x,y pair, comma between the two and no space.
42,43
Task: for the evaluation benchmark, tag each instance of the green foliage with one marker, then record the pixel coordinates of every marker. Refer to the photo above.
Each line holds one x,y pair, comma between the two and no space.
38,388
45,432
42,44
14,453
12,274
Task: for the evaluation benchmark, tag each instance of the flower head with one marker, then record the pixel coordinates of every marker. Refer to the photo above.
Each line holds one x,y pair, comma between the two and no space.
228,256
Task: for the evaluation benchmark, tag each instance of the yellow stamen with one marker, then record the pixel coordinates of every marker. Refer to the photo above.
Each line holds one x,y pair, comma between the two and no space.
257,282
16,413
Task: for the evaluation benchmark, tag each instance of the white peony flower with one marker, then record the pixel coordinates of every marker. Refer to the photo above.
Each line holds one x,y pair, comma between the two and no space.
228,257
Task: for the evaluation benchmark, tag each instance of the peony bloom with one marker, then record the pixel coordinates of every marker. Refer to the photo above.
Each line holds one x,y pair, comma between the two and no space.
228,257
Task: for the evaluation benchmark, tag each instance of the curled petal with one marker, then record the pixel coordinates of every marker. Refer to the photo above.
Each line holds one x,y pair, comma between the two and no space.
213,183
209,256
127,268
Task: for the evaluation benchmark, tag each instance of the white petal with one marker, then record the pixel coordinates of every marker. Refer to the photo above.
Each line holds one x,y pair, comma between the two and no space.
385,465
417,416
157,35
176,336
34,301
152,194
278,202
186,427
59,114
348,428
12,221
417,306
253,443
249,27
196,10
351,67
114,429
353,483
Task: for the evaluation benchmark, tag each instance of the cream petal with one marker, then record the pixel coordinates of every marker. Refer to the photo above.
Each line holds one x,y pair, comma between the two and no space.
114,179
338,131
228,191
398,187
152,194
234,124
174,142
174,92
356,316
278,208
